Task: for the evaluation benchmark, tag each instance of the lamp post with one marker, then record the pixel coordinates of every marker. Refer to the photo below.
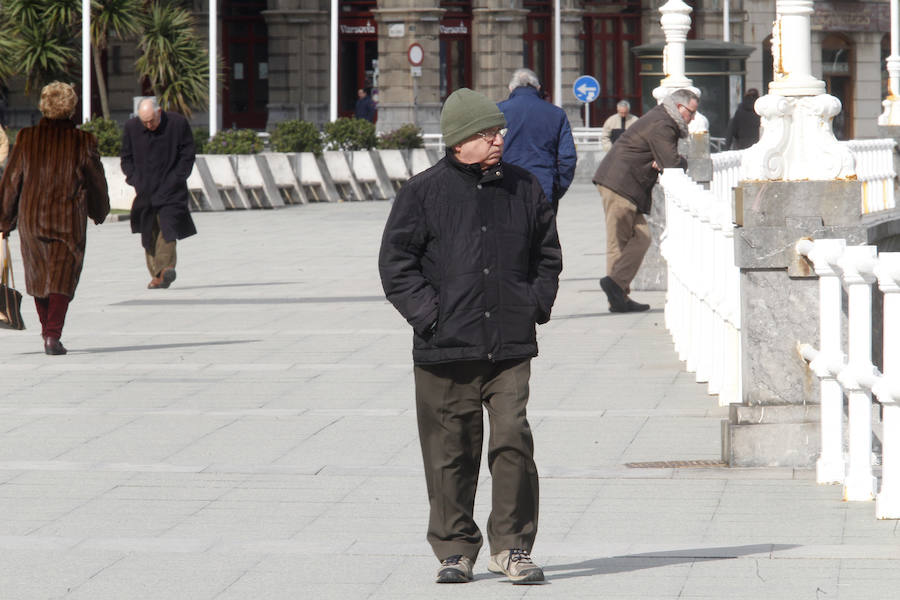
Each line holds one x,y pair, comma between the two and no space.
86,61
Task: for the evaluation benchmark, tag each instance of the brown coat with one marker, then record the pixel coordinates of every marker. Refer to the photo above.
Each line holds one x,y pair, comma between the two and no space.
627,169
54,181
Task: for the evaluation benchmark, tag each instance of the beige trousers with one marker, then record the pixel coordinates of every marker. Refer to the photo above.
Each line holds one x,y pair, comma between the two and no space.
163,254
627,238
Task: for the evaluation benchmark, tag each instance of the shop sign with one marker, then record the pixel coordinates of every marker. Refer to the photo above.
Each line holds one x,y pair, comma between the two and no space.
851,16
358,28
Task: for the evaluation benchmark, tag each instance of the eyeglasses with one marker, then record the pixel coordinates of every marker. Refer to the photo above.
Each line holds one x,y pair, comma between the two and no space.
490,135
687,109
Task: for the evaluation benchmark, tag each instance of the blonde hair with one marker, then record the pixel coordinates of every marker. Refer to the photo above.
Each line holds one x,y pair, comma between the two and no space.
58,100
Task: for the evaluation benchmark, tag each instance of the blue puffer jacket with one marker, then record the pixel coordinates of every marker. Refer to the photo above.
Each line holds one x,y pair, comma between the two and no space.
539,140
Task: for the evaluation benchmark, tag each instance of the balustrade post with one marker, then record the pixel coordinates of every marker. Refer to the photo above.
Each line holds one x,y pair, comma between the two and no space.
858,264
887,502
830,467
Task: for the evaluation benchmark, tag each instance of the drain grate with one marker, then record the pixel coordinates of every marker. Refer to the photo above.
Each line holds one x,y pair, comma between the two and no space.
676,464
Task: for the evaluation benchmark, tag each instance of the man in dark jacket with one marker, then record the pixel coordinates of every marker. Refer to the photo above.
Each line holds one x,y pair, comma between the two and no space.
365,106
539,138
471,258
743,129
625,179
157,158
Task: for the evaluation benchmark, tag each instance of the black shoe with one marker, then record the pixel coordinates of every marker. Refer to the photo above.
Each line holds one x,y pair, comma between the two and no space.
618,301
631,306
53,346
167,277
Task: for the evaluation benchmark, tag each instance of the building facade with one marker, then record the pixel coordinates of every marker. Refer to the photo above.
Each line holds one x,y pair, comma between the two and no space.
276,55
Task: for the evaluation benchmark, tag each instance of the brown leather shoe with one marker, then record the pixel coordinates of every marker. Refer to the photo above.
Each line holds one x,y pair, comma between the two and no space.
53,346
155,283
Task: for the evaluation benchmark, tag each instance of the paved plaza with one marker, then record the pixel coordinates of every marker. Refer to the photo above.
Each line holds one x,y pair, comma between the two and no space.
250,434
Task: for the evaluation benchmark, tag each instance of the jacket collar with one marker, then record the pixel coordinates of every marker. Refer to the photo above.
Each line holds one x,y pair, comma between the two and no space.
474,171
57,123
525,90
672,110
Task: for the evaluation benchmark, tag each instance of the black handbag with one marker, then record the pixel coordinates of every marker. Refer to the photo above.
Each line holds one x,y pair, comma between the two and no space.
10,299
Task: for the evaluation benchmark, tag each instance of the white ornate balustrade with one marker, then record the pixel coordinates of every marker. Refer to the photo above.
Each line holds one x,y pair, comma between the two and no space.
703,297
875,169
856,268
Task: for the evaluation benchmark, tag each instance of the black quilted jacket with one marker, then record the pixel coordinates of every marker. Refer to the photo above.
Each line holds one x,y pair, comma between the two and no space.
472,261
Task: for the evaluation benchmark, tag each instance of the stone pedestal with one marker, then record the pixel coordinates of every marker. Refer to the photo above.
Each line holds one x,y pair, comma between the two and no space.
775,424
496,46
405,96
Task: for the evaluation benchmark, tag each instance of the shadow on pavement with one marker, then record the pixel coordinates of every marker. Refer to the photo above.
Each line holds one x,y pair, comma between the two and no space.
228,285
605,314
650,560
155,347
224,301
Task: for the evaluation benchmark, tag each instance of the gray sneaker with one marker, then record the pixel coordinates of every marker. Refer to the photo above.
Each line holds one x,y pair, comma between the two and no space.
455,569
516,564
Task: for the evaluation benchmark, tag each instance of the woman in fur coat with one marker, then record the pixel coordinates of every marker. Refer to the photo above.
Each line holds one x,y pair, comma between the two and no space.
53,182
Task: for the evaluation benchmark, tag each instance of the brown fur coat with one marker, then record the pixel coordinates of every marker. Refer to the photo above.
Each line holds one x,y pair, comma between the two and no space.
54,181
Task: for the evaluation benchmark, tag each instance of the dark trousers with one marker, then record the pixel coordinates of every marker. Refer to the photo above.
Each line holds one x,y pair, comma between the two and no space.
52,313
449,401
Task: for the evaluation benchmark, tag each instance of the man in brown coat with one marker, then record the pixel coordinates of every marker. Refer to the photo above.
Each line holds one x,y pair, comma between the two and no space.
626,177
54,181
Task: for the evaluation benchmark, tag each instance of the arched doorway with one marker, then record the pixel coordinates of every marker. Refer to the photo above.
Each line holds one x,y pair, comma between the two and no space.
838,71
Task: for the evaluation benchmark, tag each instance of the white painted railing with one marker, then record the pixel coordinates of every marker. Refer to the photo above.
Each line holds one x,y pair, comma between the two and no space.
703,296
875,169
857,268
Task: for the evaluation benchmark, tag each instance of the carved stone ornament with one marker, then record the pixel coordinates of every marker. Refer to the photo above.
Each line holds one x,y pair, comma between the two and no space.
797,141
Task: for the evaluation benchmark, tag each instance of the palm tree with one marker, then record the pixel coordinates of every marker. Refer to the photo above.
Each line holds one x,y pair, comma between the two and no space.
173,59
37,41
117,18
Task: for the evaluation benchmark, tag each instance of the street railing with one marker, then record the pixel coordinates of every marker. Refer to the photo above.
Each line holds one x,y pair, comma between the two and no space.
857,269
875,169
702,310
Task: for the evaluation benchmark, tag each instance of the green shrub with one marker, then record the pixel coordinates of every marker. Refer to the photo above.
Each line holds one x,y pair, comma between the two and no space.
404,137
234,141
108,134
296,136
350,134
201,136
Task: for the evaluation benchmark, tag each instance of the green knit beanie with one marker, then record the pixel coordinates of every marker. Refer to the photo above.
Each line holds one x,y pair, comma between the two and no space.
465,113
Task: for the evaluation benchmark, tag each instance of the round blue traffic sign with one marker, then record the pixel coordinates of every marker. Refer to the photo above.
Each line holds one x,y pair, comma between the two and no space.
586,88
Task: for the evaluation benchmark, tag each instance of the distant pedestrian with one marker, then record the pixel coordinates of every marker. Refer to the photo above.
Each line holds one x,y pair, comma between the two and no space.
625,180
539,138
743,129
365,106
616,125
471,259
157,158
54,181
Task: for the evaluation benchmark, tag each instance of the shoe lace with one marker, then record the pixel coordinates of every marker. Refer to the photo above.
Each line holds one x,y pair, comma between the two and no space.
518,555
452,560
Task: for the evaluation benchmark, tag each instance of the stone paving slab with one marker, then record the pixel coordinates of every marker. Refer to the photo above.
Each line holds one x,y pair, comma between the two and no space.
250,433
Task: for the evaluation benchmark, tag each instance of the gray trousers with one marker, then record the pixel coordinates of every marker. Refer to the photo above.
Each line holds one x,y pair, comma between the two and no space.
449,401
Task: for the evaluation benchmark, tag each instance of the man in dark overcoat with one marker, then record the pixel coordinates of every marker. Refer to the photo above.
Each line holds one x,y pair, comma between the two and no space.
157,158
471,258
625,179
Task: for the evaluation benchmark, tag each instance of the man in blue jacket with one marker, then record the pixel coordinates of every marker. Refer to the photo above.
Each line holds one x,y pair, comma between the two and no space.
539,138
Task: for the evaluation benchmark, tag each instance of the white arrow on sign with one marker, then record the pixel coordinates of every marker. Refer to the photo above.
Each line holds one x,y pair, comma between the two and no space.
588,91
